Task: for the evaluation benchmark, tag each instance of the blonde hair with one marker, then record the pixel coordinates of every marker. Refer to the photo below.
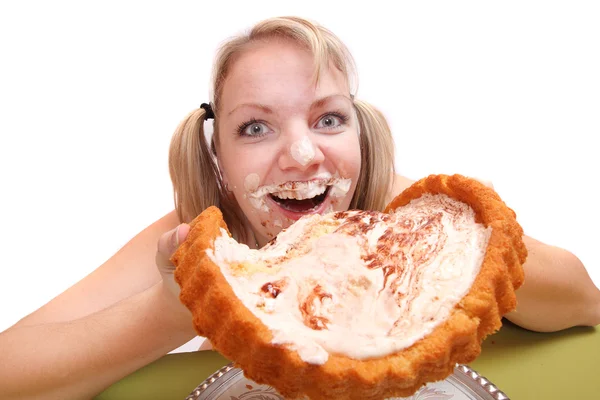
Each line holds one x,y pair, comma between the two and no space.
193,167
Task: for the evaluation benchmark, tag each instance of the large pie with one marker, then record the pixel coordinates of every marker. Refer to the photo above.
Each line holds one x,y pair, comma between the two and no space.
359,304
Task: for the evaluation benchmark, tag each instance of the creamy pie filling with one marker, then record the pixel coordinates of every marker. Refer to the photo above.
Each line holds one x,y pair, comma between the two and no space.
358,283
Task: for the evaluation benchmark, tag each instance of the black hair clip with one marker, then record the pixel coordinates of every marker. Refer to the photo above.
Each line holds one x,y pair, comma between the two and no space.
209,114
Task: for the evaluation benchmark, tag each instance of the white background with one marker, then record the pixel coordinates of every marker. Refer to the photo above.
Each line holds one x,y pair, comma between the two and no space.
90,95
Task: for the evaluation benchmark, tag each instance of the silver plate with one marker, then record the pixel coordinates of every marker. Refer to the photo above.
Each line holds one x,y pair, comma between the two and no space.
464,384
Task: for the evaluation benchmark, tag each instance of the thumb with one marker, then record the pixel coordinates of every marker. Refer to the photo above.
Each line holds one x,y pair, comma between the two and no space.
168,244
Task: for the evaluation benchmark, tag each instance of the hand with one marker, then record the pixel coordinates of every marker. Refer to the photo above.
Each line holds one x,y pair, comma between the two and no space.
167,244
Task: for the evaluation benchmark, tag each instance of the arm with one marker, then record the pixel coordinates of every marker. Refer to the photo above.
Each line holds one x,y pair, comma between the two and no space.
80,358
130,271
557,294
109,324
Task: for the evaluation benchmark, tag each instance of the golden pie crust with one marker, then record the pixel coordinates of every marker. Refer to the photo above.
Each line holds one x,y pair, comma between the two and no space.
239,335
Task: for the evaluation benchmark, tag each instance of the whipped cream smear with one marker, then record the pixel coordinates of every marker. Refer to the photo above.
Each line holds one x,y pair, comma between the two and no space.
358,283
303,151
339,187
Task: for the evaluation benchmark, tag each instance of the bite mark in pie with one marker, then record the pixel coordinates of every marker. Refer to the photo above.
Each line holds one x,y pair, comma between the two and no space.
359,304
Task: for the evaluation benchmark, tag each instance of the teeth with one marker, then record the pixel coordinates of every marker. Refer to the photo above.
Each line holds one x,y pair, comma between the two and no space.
307,193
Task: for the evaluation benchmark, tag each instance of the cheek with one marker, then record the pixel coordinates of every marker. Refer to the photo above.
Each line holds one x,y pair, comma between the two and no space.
346,159
345,155
245,173
243,168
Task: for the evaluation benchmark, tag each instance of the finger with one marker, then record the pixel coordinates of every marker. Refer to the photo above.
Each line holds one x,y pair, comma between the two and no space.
168,243
182,233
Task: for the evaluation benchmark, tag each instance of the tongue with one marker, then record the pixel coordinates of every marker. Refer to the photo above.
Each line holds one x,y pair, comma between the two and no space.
298,205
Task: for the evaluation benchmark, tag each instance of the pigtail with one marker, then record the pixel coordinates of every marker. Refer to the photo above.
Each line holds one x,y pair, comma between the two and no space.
377,157
194,172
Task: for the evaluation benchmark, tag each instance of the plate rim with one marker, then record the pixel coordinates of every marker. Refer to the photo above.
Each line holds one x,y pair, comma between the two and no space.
463,373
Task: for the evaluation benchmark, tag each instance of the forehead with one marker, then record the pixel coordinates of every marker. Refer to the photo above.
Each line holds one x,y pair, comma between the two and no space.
281,73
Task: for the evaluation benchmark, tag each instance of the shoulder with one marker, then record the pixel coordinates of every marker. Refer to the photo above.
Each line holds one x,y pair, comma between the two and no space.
398,184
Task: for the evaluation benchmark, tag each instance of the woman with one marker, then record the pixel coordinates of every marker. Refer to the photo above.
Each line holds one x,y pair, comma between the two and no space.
284,115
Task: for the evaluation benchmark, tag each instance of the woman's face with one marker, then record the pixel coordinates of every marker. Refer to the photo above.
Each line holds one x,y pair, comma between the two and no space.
287,147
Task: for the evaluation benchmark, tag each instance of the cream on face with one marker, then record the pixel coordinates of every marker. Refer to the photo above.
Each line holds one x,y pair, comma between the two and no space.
358,283
284,84
251,183
339,187
303,151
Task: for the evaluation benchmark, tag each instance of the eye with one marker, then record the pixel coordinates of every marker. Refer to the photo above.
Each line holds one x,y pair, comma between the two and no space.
253,128
331,121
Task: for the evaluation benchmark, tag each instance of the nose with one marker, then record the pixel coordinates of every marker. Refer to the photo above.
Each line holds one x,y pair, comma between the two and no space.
300,152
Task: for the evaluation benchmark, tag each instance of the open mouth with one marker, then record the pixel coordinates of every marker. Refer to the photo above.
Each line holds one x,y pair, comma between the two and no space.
300,205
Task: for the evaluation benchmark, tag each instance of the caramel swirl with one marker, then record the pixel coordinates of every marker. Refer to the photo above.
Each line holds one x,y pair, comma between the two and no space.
273,289
312,307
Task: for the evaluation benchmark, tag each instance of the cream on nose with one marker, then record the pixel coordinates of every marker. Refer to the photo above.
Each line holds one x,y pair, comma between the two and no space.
303,151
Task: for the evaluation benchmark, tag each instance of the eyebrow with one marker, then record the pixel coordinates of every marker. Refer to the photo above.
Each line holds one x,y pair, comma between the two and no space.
318,103
261,107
